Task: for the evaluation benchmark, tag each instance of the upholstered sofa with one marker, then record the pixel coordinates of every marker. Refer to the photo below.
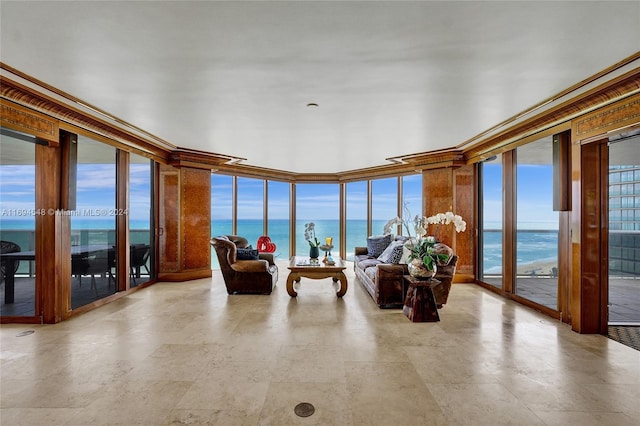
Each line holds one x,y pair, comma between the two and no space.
383,280
244,270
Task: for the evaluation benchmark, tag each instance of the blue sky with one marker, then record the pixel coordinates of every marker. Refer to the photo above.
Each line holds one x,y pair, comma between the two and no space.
96,190
314,201
535,196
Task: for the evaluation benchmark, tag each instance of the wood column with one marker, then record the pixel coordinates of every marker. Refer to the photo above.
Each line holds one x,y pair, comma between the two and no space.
464,205
53,239
509,220
122,220
588,238
184,223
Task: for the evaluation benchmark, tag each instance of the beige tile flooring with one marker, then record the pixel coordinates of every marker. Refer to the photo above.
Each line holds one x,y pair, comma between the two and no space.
187,353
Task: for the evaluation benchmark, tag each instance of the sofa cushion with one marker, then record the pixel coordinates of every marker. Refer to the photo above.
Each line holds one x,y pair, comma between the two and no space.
366,263
247,254
376,244
393,253
371,272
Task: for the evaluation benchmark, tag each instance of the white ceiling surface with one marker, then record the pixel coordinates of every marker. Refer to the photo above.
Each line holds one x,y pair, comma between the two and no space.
390,78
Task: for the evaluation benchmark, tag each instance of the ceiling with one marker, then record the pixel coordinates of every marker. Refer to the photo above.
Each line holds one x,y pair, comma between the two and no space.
389,78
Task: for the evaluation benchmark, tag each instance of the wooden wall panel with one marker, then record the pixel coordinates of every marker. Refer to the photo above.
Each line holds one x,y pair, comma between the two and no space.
185,223
452,189
169,219
196,218
437,193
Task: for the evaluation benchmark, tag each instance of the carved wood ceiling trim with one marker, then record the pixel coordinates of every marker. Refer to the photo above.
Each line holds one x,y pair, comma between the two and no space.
22,95
25,120
620,115
626,85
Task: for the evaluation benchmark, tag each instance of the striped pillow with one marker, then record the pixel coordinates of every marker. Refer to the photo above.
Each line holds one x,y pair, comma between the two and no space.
376,244
393,253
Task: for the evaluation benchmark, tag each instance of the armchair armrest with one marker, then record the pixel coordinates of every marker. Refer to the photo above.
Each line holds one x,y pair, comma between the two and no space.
268,257
259,265
361,250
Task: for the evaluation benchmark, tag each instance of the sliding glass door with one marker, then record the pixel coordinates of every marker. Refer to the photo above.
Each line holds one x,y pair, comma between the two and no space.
537,225
93,224
490,260
624,232
140,220
17,224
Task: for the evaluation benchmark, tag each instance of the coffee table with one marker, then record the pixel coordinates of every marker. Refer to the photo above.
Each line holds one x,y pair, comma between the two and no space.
300,266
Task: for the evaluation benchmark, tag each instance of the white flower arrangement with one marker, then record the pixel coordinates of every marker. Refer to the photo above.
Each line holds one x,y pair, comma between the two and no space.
310,234
446,219
420,224
423,246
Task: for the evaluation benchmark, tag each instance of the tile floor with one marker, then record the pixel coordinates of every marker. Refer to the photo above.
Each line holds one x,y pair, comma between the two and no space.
187,353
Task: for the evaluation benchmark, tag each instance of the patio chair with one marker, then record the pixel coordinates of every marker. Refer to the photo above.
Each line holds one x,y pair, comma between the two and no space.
138,256
8,247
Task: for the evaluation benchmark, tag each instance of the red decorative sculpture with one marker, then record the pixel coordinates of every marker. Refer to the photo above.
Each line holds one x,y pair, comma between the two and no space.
265,245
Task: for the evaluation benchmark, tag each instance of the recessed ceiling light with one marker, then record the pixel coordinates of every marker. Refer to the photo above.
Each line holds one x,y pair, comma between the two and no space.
312,105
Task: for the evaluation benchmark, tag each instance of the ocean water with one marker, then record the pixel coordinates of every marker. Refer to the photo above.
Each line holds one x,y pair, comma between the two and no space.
533,245
278,232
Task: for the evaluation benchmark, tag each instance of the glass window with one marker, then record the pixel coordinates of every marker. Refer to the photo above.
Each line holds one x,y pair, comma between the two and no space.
384,203
250,209
17,223
93,224
491,225
537,225
278,217
221,210
412,194
140,219
221,205
318,203
356,217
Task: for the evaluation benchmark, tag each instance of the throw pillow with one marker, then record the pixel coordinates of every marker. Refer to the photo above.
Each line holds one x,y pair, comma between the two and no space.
377,244
247,254
392,254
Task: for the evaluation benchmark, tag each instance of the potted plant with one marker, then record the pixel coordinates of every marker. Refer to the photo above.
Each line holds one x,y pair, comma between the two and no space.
310,236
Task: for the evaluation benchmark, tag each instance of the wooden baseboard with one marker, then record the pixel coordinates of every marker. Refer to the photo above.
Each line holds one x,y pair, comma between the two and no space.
185,275
463,278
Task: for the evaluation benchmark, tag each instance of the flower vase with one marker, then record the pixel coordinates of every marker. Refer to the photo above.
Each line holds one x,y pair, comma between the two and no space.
314,252
417,269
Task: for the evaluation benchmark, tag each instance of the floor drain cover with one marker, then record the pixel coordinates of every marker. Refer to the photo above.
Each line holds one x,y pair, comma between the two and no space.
304,409
25,333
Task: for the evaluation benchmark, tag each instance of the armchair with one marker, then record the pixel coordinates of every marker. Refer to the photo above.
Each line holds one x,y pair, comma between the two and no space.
257,276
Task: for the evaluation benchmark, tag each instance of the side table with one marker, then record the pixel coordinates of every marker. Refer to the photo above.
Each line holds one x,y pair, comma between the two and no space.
420,303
